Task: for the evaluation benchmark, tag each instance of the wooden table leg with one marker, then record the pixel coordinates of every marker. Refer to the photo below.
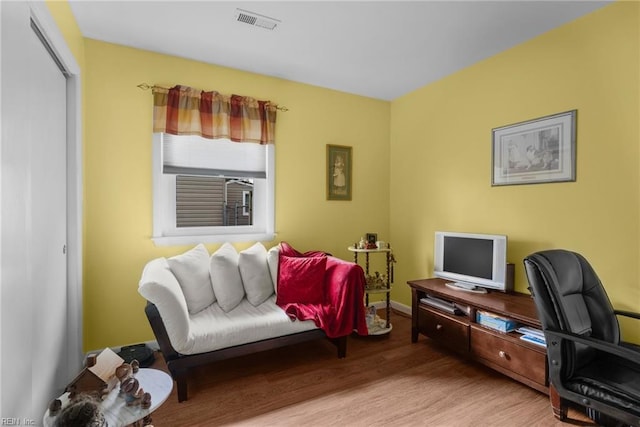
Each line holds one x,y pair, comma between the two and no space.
557,405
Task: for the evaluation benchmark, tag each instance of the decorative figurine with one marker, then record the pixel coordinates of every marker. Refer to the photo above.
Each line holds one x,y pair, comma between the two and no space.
133,395
362,244
376,281
370,316
84,410
98,377
145,403
54,407
130,385
124,371
135,398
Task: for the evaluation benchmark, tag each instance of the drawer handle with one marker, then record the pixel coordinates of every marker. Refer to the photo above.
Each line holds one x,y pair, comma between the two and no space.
502,354
438,326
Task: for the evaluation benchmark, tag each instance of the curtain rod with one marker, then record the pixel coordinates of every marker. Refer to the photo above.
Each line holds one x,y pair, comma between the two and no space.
146,86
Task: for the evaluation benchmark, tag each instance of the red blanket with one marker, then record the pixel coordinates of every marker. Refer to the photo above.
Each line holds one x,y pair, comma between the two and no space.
343,309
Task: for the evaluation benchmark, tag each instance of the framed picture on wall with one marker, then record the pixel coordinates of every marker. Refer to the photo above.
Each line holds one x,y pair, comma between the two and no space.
536,151
339,166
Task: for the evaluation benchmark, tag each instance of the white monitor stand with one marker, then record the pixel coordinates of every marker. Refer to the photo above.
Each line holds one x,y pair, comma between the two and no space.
465,287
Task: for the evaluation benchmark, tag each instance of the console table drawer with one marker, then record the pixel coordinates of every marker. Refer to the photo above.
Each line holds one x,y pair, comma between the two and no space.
448,331
508,354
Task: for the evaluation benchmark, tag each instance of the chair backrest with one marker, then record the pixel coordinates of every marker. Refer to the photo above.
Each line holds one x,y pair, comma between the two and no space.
570,297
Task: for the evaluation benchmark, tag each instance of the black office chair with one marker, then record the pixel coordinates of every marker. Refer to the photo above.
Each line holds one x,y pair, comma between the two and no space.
588,363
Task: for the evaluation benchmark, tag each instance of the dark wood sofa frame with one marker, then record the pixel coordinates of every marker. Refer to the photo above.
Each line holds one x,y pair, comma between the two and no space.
179,364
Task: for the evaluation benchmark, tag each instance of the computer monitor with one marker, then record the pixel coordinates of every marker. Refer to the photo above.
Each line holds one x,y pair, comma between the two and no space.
472,262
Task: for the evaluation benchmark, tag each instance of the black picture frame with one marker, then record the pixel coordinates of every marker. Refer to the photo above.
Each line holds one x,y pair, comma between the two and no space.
371,238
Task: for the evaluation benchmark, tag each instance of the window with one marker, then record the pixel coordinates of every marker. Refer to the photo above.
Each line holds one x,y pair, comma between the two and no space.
246,203
211,190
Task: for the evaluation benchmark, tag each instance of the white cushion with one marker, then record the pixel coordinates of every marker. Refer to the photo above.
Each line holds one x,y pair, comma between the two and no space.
159,286
255,274
192,271
225,277
273,258
213,329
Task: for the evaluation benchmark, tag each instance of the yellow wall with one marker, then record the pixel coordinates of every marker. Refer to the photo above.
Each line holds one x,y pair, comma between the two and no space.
441,154
62,15
438,139
118,189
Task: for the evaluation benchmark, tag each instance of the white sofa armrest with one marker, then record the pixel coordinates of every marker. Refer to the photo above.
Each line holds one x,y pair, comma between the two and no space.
159,286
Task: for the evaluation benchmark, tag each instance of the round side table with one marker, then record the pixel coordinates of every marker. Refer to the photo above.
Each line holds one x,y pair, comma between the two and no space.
114,408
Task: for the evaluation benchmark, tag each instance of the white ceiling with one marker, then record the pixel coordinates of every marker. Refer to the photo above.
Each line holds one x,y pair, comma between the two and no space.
378,49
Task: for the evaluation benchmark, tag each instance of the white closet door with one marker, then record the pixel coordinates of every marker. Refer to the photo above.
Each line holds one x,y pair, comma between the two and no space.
33,306
47,240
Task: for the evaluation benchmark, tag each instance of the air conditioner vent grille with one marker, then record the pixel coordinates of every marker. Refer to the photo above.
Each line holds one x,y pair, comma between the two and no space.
248,19
256,19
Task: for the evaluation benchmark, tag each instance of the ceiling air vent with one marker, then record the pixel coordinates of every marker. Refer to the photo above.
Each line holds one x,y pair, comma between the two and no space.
256,19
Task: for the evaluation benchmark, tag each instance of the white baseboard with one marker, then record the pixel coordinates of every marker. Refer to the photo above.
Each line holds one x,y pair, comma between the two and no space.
405,309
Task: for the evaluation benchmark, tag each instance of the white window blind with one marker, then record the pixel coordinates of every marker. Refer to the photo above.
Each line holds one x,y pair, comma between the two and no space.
194,155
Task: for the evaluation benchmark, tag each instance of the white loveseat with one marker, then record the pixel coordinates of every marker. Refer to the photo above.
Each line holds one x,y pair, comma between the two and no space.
203,308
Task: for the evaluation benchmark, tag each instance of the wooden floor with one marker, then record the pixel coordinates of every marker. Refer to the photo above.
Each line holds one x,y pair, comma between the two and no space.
383,381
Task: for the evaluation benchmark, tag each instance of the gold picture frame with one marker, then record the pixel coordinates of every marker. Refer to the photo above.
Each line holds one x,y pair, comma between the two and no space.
339,167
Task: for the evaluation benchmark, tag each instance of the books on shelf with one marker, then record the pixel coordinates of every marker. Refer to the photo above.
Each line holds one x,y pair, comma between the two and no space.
534,339
527,330
503,324
532,335
496,322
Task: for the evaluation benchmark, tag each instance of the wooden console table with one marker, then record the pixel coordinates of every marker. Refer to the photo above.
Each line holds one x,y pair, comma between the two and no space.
504,352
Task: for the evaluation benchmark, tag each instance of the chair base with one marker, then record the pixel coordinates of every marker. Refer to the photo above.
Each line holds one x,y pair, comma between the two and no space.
560,407
603,419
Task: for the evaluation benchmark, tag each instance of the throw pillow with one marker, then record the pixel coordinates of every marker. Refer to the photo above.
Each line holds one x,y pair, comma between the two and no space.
192,271
301,280
255,274
288,250
273,257
225,277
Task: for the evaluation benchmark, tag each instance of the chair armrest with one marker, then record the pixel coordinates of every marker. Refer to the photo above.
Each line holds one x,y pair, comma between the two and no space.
626,313
556,338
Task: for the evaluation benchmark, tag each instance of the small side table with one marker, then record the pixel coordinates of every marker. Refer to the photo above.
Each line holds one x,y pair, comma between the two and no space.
386,289
116,412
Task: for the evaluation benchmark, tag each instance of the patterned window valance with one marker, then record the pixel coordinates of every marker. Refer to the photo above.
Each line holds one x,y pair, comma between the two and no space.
183,110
